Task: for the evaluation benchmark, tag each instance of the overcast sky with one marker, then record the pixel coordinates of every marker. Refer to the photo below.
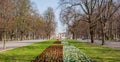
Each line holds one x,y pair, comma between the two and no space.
42,5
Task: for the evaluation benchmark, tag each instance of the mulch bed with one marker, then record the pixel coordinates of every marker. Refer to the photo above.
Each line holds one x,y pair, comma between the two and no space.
53,53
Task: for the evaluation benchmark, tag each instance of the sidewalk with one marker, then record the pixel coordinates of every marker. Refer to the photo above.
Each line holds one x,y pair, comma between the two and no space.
15,44
111,44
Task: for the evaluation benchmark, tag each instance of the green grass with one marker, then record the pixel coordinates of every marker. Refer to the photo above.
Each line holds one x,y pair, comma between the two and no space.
25,53
97,53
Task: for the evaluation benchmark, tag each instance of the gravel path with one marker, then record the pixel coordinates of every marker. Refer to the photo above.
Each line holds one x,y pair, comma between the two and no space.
111,44
15,44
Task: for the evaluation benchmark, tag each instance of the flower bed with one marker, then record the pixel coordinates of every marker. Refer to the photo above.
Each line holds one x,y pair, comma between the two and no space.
51,54
73,54
57,42
65,43
65,53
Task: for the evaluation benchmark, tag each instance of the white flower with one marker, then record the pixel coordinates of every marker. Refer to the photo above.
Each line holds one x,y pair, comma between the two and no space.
73,54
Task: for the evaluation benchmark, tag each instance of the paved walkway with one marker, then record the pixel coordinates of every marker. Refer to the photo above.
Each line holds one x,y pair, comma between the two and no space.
15,44
111,44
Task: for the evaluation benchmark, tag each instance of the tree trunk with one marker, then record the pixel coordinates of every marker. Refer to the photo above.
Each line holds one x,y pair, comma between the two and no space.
110,31
48,36
91,30
103,33
4,41
73,35
21,37
91,36
0,36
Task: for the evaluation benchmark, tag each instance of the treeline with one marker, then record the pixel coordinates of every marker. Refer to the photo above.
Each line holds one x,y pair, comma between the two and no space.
93,19
19,20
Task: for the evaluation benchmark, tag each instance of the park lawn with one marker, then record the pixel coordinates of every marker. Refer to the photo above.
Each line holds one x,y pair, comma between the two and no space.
97,53
25,53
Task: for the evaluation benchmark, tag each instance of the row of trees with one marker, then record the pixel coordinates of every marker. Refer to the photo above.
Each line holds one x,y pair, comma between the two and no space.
94,19
20,20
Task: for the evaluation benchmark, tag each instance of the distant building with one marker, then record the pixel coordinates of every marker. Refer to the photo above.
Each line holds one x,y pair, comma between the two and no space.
63,35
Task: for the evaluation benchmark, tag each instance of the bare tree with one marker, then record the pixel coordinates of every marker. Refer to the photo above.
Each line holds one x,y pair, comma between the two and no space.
6,18
95,10
88,7
107,11
70,17
50,23
21,15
